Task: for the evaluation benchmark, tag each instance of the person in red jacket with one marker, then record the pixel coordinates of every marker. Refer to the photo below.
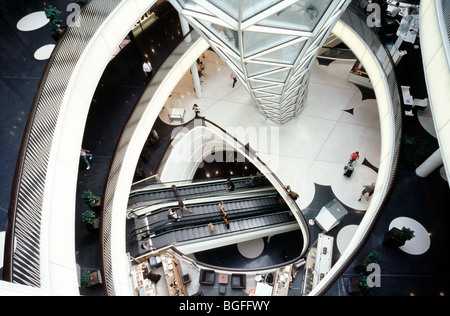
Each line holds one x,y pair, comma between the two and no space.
354,157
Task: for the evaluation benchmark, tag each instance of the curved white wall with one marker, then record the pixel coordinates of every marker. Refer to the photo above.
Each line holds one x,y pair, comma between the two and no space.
437,74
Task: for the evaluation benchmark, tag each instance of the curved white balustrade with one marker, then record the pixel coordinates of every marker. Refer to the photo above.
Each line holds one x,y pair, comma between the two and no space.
387,155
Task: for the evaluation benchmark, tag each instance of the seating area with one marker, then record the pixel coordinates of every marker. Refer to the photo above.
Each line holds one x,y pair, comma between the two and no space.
207,277
236,281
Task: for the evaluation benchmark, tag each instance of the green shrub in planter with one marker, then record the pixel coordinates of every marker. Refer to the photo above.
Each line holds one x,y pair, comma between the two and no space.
85,279
89,198
362,282
53,14
88,218
373,257
405,234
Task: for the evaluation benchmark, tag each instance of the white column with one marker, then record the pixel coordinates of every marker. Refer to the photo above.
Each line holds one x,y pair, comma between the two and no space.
432,163
185,28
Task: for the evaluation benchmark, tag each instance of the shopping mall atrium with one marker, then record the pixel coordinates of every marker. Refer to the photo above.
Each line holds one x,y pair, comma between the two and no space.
224,148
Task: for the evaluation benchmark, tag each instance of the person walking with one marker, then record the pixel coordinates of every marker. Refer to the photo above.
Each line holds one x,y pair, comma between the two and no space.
367,189
354,157
86,154
147,68
221,207
233,77
230,185
182,206
227,223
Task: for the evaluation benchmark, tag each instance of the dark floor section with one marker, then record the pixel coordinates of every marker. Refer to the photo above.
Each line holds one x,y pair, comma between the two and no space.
277,249
117,93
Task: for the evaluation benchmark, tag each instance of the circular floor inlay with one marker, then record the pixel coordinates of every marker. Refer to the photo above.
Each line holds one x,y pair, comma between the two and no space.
421,241
344,237
251,249
32,21
44,52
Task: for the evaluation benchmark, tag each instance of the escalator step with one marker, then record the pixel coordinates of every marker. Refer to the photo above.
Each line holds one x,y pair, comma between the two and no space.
190,234
220,229
259,222
206,231
184,234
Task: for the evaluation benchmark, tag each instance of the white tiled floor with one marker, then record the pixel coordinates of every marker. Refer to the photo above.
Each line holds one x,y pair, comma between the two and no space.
312,148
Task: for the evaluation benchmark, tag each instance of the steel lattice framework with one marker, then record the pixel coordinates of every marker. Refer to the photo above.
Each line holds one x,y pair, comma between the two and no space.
269,44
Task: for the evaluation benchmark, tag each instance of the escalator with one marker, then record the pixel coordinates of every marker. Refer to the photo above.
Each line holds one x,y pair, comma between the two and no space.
237,208
195,234
257,211
164,193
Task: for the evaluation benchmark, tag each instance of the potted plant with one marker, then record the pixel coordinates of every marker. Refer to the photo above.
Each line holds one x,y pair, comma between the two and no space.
372,257
91,220
397,237
89,278
362,283
54,15
90,199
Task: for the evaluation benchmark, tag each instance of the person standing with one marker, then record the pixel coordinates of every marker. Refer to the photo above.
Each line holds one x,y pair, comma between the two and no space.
86,154
395,11
212,228
174,190
173,214
196,109
147,68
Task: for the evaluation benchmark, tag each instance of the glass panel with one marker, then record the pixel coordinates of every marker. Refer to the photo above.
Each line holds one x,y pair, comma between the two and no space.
286,55
191,5
236,62
231,7
277,77
303,15
276,90
255,42
225,34
257,69
253,7
258,84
